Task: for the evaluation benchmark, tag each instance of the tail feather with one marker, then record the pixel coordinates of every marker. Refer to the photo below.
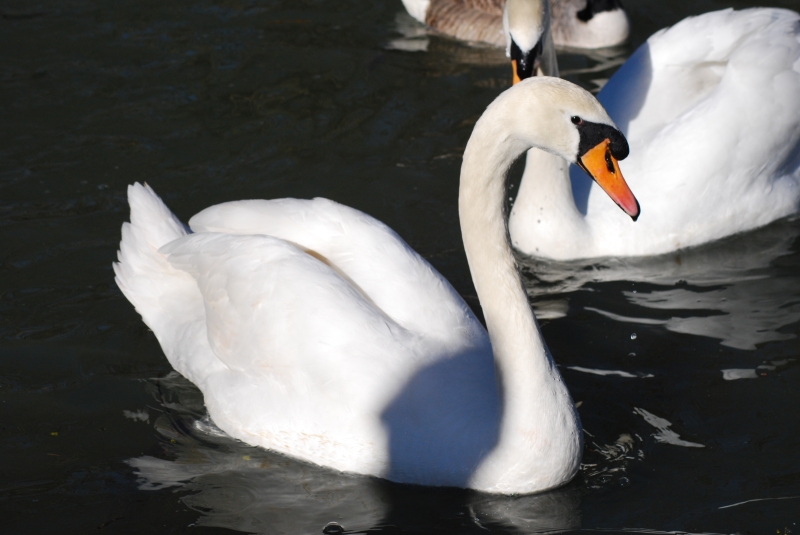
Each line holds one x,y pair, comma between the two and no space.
149,212
167,299
141,267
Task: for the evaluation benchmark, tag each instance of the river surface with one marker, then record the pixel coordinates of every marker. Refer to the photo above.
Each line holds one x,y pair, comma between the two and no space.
686,367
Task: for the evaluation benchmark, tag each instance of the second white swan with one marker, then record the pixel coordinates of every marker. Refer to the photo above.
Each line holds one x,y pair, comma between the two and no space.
711,108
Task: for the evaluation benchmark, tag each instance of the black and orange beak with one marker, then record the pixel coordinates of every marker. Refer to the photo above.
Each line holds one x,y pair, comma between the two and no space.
525,64
603,167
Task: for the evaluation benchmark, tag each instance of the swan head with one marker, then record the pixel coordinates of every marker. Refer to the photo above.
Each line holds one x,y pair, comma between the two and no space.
526,26
559,117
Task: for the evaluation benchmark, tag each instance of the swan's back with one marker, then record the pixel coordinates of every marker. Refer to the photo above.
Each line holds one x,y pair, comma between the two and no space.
316,340
711,109
752,51
364,251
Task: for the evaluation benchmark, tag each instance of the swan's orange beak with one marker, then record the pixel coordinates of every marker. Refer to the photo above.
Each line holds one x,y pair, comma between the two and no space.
604,169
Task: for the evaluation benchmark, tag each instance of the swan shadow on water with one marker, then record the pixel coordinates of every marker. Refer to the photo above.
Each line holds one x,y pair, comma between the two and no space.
244,488
741,290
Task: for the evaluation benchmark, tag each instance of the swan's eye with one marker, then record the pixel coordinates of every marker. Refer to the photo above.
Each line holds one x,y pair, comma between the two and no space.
576,120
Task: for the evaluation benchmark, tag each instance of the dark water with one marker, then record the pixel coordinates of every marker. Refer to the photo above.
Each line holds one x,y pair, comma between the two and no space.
692,424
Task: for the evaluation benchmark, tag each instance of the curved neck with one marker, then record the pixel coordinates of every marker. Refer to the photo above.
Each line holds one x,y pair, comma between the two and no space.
520,353
540,442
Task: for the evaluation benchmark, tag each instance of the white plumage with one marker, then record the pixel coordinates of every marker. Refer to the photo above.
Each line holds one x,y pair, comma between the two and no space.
282,342
314,330
711,110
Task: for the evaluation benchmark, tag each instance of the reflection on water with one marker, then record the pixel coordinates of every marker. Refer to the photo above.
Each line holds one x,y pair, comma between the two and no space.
606,465
245,488
665,434
252,490
541,513
742,290
413,35
215,100
594,66
619,373
590,68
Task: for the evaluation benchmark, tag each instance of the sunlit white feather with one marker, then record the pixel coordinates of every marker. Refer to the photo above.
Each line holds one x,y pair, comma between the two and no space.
313,330
711,110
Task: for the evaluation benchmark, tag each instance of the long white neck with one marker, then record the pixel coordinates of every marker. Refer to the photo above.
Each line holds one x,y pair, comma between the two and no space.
539,434
516,341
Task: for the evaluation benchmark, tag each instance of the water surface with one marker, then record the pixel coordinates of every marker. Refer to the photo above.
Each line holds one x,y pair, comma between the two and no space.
685,366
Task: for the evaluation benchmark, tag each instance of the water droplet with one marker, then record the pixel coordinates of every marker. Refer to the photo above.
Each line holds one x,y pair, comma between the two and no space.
624,482
332,529
633,336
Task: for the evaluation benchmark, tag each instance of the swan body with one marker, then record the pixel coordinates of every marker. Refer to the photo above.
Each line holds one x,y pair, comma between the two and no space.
711,109
576,23
589,23
314,330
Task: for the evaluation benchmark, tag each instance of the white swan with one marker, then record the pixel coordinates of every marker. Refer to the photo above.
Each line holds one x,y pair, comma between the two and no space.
711,108
314,330
576,23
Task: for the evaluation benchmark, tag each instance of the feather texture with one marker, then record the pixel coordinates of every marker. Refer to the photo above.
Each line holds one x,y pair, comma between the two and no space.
314,330
711,110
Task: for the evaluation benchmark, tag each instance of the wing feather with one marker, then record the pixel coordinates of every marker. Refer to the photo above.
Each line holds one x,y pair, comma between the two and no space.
364,252
470,20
